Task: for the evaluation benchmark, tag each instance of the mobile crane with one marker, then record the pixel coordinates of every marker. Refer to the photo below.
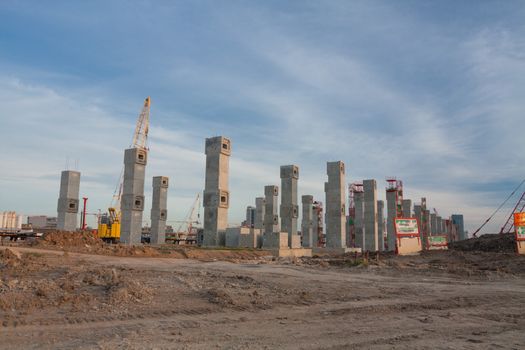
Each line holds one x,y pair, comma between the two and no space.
109,223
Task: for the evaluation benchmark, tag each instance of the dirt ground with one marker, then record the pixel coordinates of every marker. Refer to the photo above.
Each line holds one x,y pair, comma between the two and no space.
205,299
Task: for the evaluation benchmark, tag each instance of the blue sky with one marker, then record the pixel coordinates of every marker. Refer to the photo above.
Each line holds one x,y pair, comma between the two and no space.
430,92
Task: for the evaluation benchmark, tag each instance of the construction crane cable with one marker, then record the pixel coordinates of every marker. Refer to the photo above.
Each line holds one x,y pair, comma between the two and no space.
498,209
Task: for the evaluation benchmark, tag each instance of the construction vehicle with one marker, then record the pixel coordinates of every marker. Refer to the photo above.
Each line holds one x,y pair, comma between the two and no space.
109,226
109,223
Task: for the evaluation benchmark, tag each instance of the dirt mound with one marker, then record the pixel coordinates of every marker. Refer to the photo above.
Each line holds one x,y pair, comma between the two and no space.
72,288
86,242
500,243
69,239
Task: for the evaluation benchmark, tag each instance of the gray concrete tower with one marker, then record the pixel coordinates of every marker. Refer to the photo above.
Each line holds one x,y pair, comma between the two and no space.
433,224
132,200
391,214
259,213
359,230
216,198
381,225
370,217
67,207
335,214
159,209
271,218
289,210
407,208
307,222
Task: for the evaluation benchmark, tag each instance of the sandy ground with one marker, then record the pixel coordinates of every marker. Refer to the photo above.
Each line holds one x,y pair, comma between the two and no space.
440,300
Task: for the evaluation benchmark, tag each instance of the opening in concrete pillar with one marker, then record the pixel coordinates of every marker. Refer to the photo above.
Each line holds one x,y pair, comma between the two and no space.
224,199
138,203
141,157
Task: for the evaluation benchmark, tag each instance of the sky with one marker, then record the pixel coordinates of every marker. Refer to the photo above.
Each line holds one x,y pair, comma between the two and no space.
431,92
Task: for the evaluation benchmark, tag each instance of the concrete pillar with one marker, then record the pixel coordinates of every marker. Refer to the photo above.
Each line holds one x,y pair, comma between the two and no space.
370,215
359,198
391,214
407,208
417,213
426,226
307,222
289,209
271,218
335,215
216,197
67,207
159,209
250,216
259,213
381,225
439,225
317,225
457,219
132,200
433,224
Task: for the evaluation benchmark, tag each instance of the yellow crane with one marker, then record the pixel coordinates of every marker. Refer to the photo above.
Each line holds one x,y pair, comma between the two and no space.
109,223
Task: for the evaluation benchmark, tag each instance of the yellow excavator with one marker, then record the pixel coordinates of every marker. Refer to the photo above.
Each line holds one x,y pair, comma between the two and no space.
109,223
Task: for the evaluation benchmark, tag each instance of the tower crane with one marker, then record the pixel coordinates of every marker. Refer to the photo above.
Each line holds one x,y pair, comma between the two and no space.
109,223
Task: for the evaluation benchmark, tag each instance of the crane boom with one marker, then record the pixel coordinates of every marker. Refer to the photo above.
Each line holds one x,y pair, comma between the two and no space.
139,140
140,136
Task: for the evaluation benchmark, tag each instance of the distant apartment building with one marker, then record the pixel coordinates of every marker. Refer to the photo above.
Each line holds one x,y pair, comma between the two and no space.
42,221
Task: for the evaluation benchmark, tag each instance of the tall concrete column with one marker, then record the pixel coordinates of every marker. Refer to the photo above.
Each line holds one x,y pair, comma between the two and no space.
317,225
307,222
159,209
391,214
67,207
407,208
426,218
359,228
457,220
335,215
289,209
439,225
216,197
132,200
259,213
381,225
417,215
433,224
370,217
250,216
271,218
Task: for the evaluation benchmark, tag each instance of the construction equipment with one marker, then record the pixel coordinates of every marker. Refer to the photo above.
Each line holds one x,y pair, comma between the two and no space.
109,223
517,208
109,226
189,235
